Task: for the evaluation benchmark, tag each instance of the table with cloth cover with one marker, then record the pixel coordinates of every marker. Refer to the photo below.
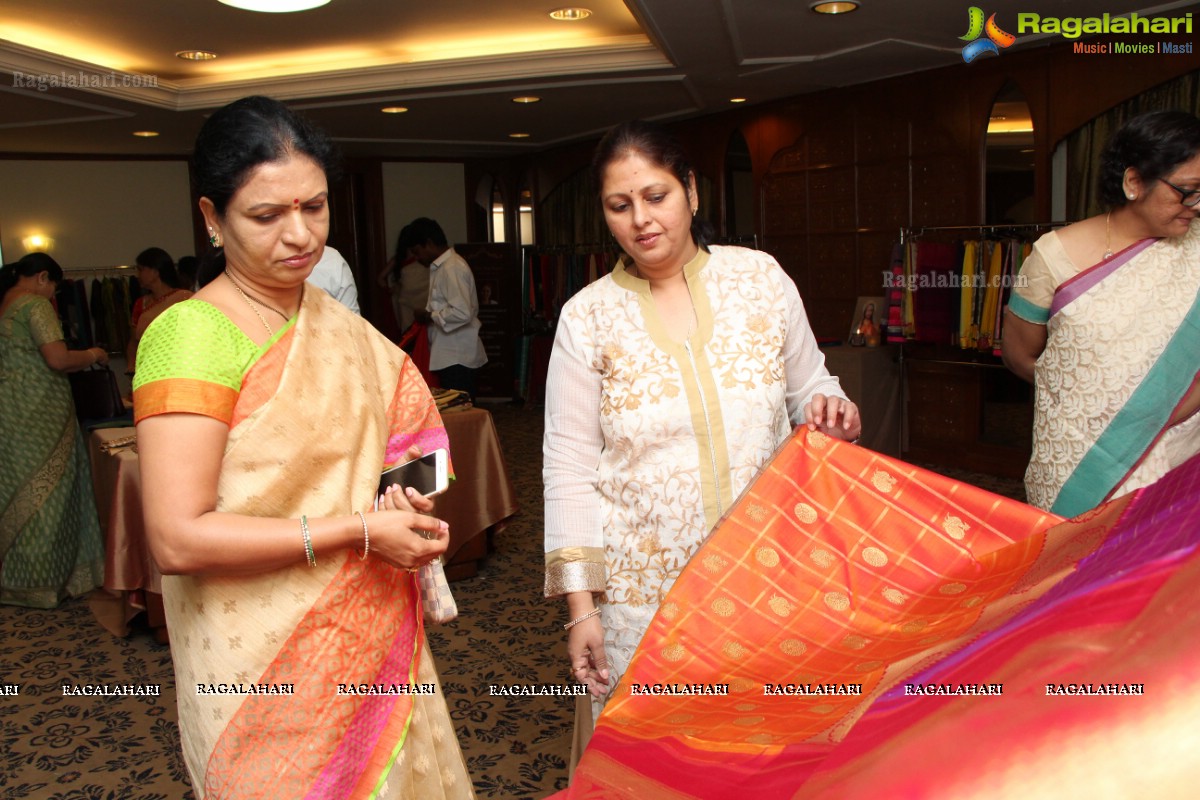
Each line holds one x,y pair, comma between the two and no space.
479,500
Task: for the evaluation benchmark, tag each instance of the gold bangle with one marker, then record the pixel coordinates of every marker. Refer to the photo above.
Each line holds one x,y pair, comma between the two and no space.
366,538
308,548
578,620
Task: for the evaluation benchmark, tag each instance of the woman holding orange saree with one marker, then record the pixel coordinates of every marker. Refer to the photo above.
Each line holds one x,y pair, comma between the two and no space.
265,414
1113,348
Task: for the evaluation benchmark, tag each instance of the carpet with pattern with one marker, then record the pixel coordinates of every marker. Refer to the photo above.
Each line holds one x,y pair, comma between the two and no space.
59,746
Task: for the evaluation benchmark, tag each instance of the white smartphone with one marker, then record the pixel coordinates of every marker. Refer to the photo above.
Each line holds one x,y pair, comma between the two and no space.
428,474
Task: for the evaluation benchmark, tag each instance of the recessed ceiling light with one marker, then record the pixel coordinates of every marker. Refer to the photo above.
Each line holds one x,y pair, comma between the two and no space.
835,8
528,98
275,6
737,99
394,109
146,134
518,136
196,55
570,14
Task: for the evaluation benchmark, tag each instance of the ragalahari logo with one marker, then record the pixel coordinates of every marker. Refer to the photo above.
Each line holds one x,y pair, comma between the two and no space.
976,27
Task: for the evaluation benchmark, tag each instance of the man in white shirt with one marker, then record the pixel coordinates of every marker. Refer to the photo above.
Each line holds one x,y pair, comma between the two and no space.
452,313
333,274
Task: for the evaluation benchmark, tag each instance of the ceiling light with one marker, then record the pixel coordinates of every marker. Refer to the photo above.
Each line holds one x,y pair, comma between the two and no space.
518,136
525,99
196,55
394,109
570,14
275,6
835,8
737,99
146,134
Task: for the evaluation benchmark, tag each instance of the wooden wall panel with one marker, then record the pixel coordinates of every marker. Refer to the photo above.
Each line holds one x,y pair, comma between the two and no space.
874,259
883,194
833,201
785,202
791,251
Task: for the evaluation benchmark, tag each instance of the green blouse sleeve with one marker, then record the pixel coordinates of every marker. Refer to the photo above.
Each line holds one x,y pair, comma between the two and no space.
194,340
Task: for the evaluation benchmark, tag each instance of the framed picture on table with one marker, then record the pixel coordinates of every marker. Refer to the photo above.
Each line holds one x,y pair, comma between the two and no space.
866,327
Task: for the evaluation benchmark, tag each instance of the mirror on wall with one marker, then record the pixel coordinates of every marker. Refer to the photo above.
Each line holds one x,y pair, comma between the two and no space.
1009,181
496,227
739,189
525,214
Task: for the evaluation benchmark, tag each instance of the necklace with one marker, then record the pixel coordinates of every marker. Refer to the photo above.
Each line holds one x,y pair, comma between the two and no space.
254,308
1108,253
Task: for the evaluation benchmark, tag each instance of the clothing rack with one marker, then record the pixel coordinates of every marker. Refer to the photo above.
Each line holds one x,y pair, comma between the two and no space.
982,230
96,272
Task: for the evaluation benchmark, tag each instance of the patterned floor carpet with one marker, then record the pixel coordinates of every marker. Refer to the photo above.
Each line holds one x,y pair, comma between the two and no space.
65,747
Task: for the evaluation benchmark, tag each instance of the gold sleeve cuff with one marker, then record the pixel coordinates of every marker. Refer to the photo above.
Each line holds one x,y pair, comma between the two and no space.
575,569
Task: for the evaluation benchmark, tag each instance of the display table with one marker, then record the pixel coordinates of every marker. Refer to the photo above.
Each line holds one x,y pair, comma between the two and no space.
132,583
481,496
478,500
870,376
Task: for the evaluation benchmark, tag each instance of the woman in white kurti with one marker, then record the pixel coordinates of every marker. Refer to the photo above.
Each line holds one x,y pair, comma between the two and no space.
671,383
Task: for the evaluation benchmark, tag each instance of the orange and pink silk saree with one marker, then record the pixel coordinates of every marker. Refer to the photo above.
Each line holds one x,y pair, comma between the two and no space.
318,414
883,631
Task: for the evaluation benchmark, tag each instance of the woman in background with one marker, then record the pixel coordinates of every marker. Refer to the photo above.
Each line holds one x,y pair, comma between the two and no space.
672,381
265,414
163,288
1105,322
50,541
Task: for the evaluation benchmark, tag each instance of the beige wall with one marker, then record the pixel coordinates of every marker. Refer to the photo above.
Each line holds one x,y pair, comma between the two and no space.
99,213
421,189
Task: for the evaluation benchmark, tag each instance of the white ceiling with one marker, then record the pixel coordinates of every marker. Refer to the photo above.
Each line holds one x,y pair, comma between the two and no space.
455,64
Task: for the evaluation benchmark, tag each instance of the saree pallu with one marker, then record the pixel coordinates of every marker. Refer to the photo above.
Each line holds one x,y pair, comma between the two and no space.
1122,352
938,641
318,416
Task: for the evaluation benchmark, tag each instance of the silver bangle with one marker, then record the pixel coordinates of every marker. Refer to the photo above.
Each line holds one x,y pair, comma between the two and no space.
308,548
366,537
578,620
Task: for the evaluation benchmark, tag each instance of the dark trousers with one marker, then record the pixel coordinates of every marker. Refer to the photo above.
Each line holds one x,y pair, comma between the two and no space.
457,377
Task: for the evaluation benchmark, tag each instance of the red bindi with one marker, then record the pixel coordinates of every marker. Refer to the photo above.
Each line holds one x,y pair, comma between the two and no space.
296,202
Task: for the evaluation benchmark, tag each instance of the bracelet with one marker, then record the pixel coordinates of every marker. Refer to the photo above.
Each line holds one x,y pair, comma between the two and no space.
308,549
366,538
578,620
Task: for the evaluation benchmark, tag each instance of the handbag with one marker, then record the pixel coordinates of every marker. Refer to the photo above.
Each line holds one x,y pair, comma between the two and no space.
437,601
96,393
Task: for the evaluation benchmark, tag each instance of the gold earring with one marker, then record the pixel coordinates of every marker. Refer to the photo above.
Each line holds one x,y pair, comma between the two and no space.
214,238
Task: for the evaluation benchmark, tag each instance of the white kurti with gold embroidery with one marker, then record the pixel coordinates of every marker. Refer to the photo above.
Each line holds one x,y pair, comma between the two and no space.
648,441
